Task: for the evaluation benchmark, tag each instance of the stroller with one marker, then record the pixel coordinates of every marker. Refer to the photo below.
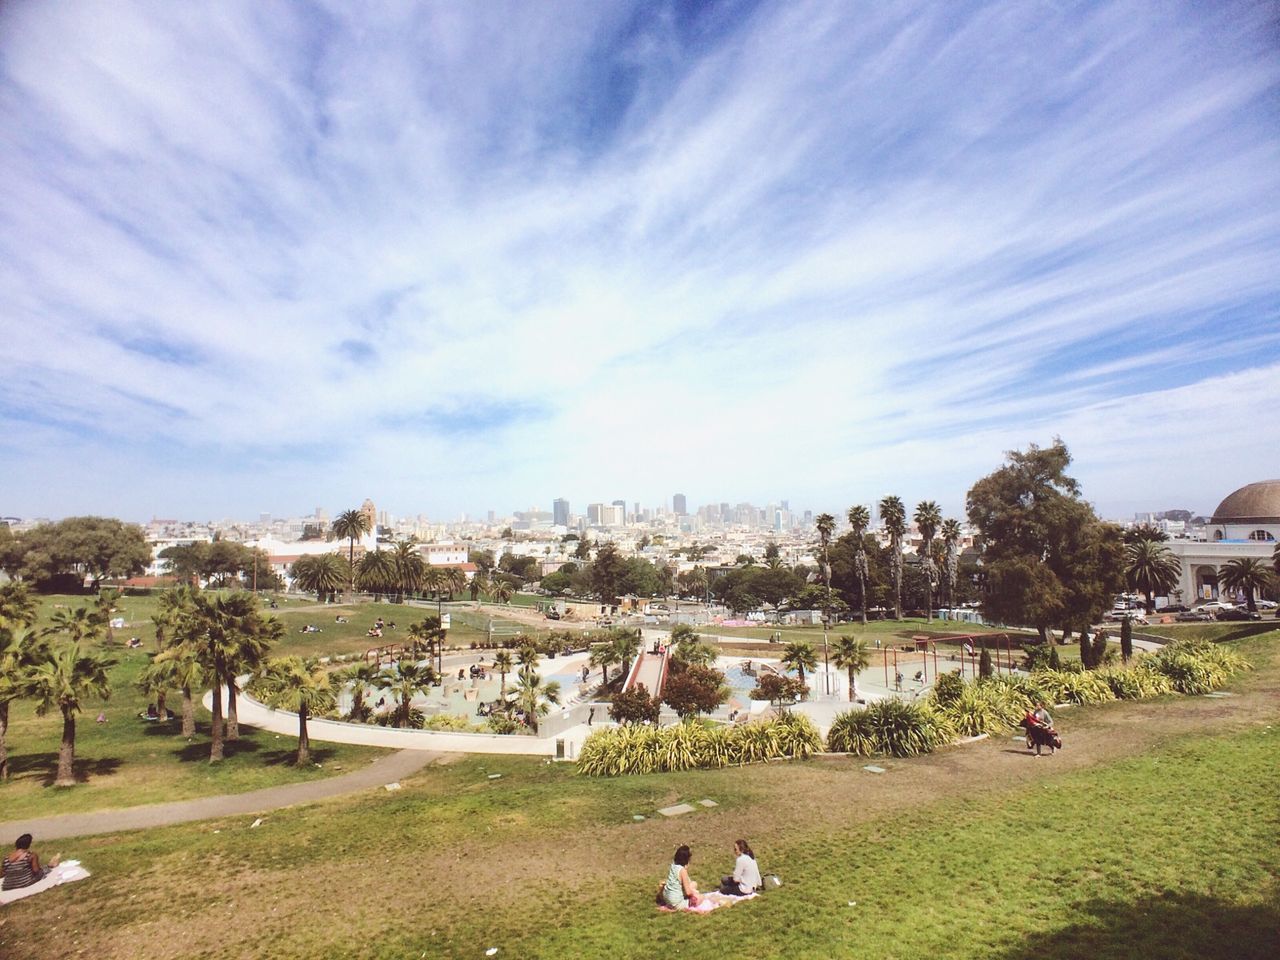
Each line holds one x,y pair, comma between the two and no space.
1038,734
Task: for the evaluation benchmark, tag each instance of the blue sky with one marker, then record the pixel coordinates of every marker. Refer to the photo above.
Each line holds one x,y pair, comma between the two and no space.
264,257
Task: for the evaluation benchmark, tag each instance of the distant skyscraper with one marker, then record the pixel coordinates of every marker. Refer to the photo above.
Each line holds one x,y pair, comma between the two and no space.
679,505
594,512
560,512
492,516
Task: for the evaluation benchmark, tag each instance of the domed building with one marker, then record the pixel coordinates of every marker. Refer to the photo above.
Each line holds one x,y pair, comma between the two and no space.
1246,524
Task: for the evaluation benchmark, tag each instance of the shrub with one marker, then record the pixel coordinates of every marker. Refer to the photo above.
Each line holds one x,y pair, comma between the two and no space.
1066,686
890,727
797,737
985,707
501,723
634,706
947,688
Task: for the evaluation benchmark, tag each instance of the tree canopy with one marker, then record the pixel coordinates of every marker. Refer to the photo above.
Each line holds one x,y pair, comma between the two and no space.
53,555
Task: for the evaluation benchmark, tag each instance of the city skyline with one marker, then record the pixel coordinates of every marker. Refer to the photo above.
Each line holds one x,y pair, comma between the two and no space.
452,258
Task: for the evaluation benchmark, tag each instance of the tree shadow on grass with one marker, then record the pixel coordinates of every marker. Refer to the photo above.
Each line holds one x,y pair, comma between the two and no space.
198,749
43,767
319,755
1168,926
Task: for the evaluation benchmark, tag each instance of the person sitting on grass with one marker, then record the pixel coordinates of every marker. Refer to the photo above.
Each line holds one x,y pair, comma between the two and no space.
679,892
746,875
22,866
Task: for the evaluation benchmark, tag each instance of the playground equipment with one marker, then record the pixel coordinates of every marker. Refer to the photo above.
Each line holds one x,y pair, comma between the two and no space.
924,653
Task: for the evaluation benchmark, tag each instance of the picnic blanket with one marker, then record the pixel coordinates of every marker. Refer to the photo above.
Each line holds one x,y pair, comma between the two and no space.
68,871
710,901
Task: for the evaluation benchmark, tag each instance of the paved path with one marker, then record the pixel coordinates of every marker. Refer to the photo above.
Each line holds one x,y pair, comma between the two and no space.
381,771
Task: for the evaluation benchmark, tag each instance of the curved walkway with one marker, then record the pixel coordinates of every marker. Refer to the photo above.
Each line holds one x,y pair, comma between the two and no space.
381,771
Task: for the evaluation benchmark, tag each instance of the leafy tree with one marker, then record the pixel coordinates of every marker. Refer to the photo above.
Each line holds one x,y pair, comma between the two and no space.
483,559
606,572
635,706
1126,639
406,679
526,568
985,668
859,520
1047,558
799,656
63,678
1145,533
951,535
1246,575
535,697
894,517
690,649
76,549
695,690
299,686
851,655
779,690
772,554
928,517
583,550
351,525
1151,567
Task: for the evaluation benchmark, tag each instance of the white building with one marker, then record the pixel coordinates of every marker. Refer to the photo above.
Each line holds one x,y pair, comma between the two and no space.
1246,524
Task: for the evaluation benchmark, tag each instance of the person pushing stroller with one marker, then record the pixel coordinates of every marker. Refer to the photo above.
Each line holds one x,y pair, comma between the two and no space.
1040,731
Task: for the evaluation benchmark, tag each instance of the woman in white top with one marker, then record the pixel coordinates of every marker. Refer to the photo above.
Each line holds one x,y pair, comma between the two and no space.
746,875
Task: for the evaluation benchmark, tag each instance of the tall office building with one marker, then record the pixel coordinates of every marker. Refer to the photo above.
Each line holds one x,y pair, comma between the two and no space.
594,512
560,512
679,505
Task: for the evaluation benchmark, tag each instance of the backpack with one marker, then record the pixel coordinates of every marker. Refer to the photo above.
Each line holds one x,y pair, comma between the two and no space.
770,881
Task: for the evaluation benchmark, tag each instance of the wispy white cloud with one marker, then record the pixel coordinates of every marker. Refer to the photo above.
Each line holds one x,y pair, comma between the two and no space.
454,257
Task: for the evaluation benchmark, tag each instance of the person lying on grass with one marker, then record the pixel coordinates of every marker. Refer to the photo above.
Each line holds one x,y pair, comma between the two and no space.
746,875
679,892
22,866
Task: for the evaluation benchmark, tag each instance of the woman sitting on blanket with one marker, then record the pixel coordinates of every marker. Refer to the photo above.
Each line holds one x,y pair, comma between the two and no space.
679,891
746,875
22,866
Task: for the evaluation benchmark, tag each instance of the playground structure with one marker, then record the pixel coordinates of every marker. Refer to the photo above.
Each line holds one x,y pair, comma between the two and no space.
924,652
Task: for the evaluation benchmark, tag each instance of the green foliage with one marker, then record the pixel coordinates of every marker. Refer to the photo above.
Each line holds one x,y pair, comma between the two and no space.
891,727
947,688
986,707
635,706
1197,667
74,549
694,690
778,689
985,667
636,748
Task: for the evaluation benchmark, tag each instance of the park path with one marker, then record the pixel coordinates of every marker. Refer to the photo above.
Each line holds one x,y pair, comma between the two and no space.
384,770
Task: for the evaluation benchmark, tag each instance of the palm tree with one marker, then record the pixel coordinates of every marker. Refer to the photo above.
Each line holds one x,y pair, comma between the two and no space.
1246,574
951,535
324,574
1151,567
406,680
851,654
17,608
535,697
455,581
826,525
928,517
627,643
428,633
352,525
501,591
376,573
526,653
20,649
479,584
155,680
691,649
171,606
502,663
187,674
81,625
302,687
859,520
894,517
800,656
250,636
409,567
64,678
604,656
433,580
363,677
698,581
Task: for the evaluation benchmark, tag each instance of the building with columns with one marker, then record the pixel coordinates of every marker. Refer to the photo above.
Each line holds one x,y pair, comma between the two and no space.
1246,524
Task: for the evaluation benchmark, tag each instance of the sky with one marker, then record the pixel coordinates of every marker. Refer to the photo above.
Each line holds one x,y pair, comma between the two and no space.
458,257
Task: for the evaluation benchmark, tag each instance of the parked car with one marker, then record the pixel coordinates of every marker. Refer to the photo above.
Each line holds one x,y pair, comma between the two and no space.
1193,616
1242,613
1214,607
1174,608
1266,604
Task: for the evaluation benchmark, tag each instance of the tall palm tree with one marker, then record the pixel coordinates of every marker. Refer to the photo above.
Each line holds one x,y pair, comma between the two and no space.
799,656
698,581
155,680
627,643
894,517
409,567
852,655
64,678
535,697
433,580
951,535
1246,574
859,520
324,574
1151,567
526,653
82,625
188,674
928,517
479,584
455,581
363,678
351,525
17,607
501,591
502,663
826,525
406,680
376,573
251,637
428,633
299,686
604,656
171,605
20,649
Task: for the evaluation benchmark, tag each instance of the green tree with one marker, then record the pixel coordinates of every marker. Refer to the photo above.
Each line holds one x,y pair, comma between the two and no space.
781,691
409,567
627,643
1151,567
690,649
852,656
406,679
65,553
951,534
502,663
351,525
322,574
429,634
63,678
604,656
859,520
535,697
928,518
607,572
20,649
1246,575
501,592
302,687
635,706
1126,639
376,573
985,668
799,656
363,679
1047,558
893,514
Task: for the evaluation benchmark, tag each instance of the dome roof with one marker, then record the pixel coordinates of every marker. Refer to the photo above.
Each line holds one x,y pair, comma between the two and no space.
1252,503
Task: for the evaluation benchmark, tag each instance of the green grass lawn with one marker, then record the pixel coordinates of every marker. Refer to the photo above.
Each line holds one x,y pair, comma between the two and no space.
1163,850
